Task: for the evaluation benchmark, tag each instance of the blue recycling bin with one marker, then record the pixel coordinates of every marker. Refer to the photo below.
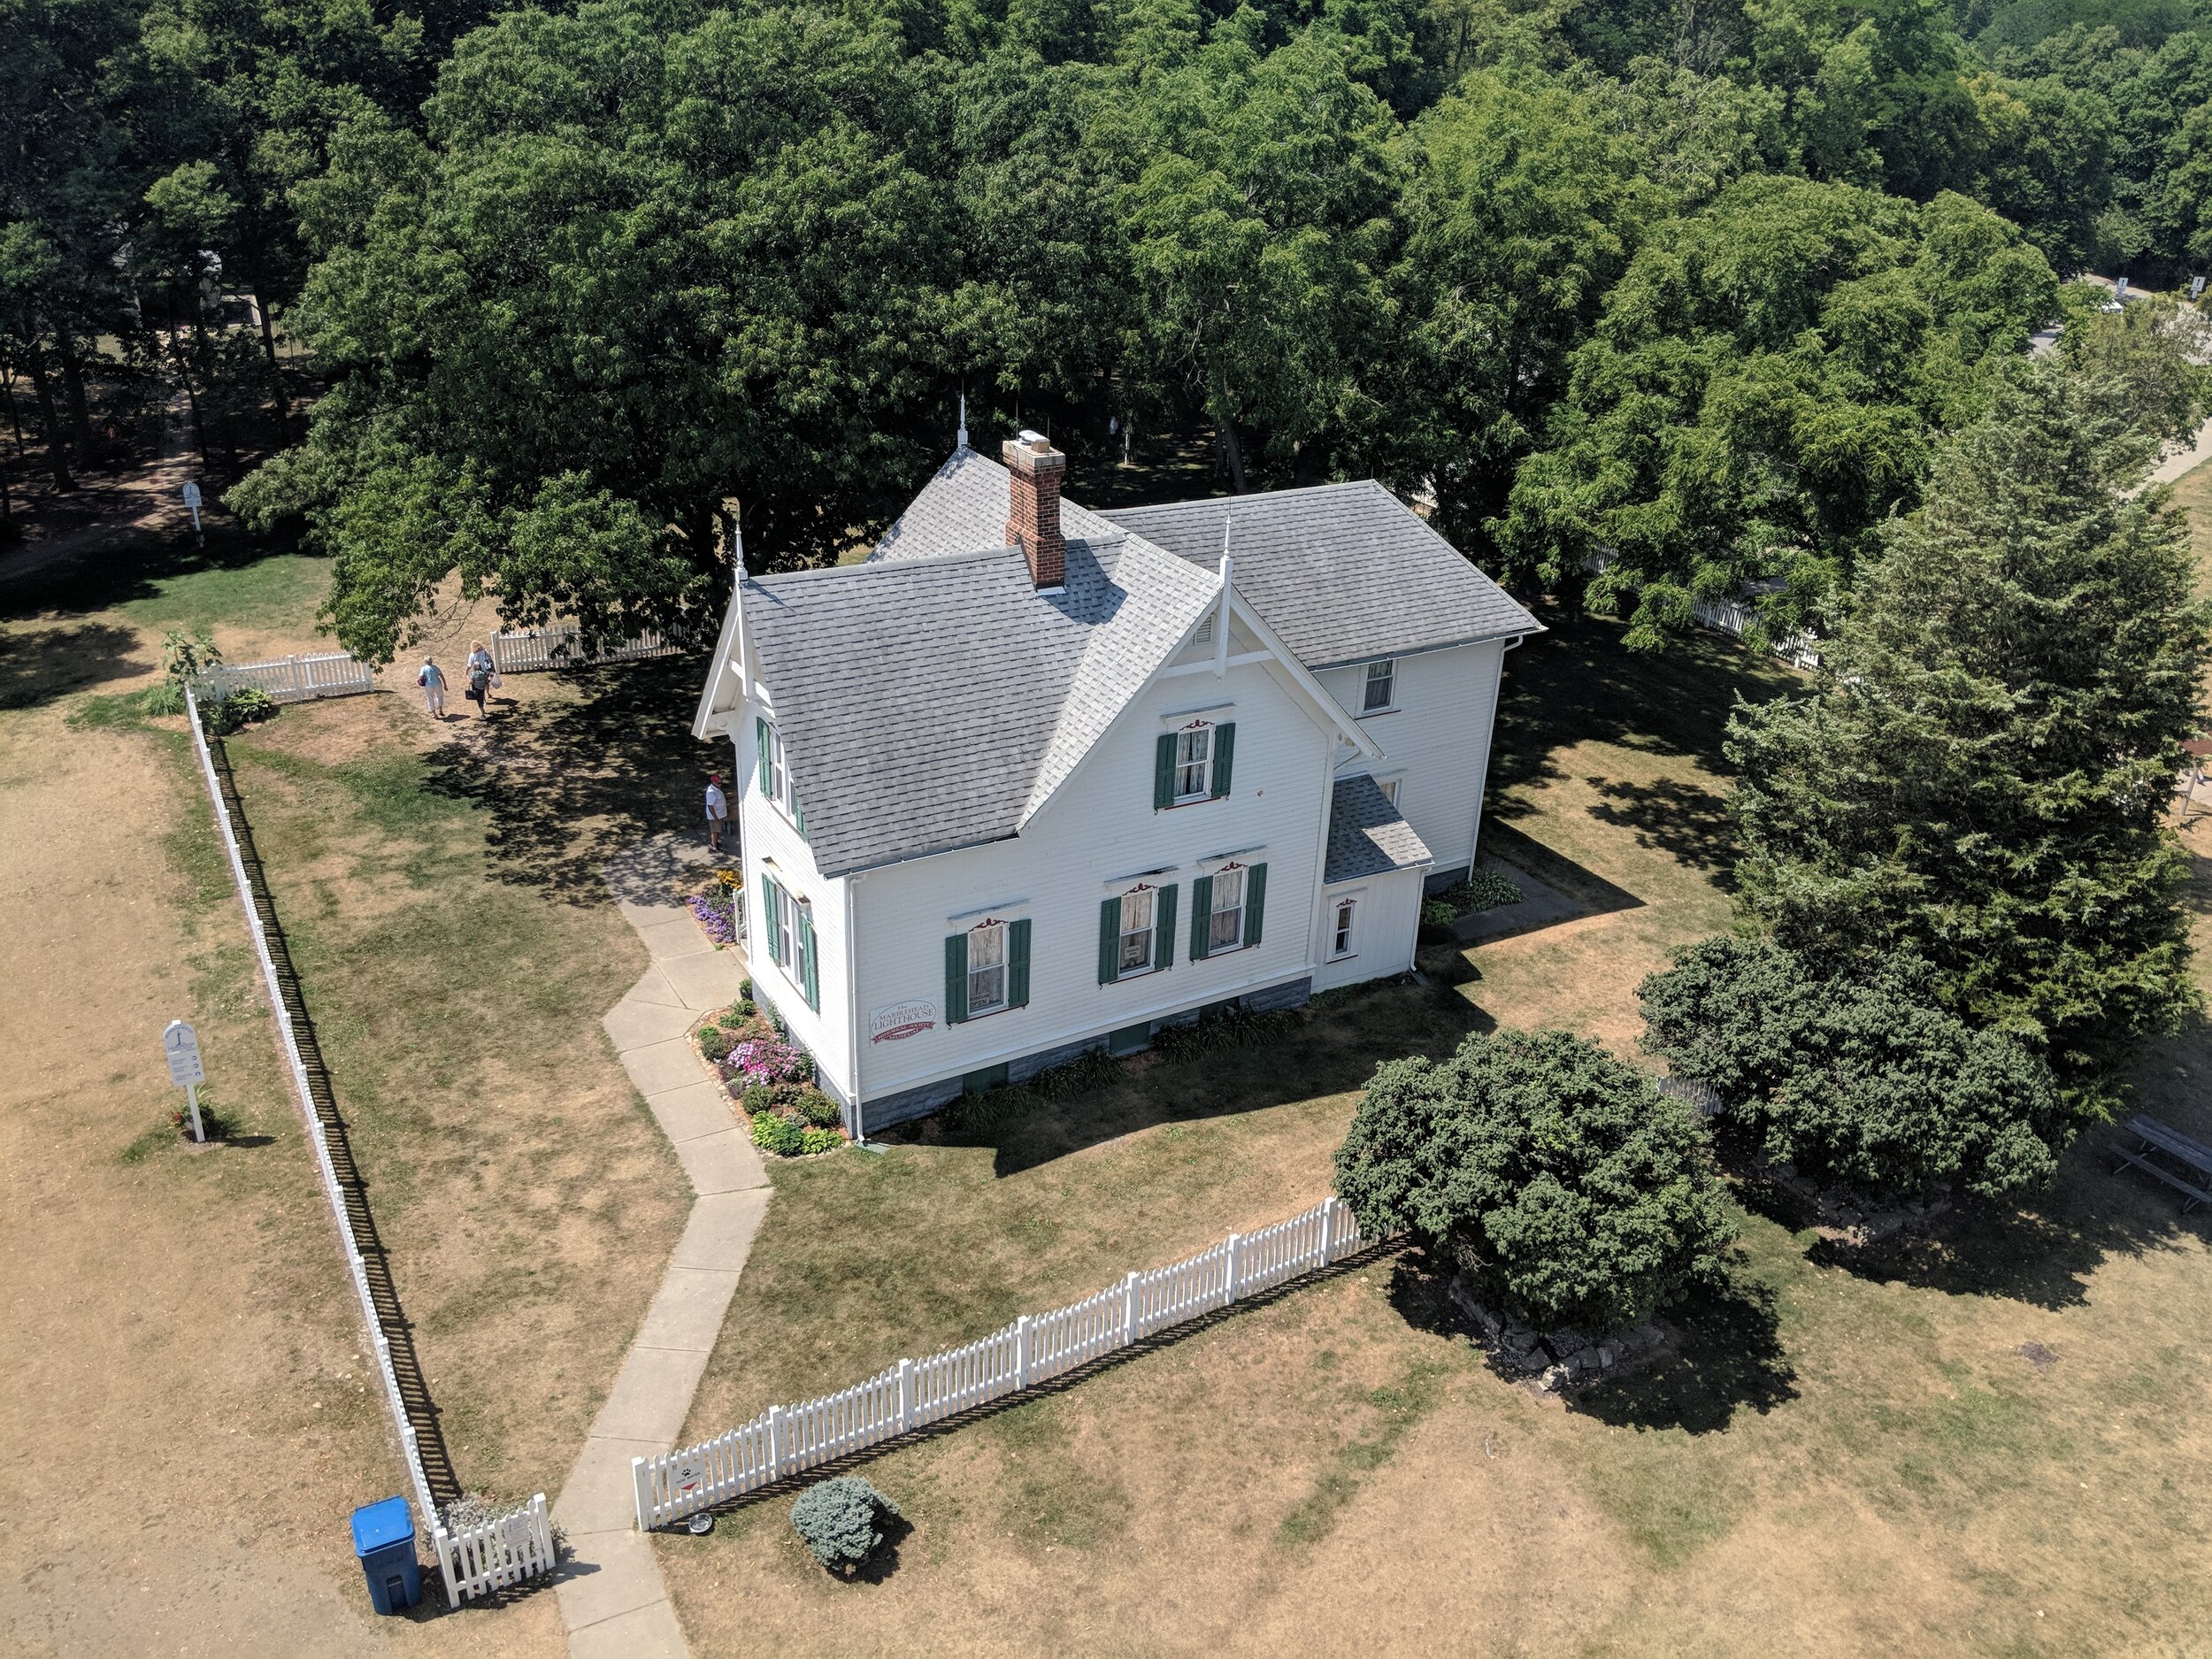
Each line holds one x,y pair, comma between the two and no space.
384,1539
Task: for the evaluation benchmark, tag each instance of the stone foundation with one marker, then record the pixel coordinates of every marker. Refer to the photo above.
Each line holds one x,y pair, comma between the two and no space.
1560,1361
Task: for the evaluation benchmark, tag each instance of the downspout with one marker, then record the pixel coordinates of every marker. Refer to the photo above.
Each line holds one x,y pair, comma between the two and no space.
1482,784
1321,855
852,1001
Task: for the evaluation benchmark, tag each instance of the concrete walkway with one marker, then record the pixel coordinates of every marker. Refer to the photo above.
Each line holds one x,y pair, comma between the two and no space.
611,1597
2181,461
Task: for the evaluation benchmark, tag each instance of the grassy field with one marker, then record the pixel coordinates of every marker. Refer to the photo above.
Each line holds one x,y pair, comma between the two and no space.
441,888
1846,1456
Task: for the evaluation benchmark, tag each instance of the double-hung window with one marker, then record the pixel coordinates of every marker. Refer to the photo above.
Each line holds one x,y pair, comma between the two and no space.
986,968
783,926
1194,764
1340,928
1137,914
775,773
1225,929
1380,692
791,938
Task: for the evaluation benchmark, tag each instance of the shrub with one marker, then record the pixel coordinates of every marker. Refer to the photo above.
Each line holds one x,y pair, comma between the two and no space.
1085,1072
758,1098
1859,1077
1236,1028
774,1133
818,1108
166,698
974,1116
1484,890
242,708
1559,1178
1438,913
745,995
814,1140
715,1043
771,1060
842,1521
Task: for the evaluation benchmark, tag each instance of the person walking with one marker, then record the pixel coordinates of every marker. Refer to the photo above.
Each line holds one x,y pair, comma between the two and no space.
431,678
480,675
717,811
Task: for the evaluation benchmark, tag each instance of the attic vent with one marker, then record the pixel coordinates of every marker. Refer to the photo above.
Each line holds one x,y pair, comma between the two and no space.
1205,633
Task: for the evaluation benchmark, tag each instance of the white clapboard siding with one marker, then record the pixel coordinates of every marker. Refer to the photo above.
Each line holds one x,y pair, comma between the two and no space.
527,650
787,1440
493,1553
288,679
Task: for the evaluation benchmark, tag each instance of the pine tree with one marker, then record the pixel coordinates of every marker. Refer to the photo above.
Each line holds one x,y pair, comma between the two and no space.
1983,777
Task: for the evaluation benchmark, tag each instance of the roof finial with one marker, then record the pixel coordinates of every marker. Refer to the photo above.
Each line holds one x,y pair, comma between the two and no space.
960,439
732,516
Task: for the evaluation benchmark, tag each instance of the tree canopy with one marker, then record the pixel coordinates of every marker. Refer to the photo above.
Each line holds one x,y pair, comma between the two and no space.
1561,1179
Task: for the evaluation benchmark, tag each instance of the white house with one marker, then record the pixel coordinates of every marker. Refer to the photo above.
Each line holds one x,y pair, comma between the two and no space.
1033,780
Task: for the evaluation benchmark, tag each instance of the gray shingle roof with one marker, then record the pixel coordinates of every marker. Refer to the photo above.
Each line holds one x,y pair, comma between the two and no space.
1367,835
1345,572
933,702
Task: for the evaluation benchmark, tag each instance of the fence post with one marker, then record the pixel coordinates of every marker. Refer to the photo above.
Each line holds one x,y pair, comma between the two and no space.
1229,1272
1129,1310
642,1485
1021,1352
442,1542
775,1445
906,1394
1329,1207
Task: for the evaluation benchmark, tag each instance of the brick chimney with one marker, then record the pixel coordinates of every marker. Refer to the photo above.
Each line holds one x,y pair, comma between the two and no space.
1034,470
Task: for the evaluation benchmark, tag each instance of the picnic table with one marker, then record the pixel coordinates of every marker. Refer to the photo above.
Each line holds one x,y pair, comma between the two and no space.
2158,1149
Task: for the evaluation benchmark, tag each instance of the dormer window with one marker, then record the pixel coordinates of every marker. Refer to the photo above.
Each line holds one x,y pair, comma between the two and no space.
1380,693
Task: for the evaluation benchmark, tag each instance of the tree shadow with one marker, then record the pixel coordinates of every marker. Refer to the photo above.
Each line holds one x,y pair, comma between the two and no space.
1727,1356
1690,825
564,785
1578,683
132,565
39,665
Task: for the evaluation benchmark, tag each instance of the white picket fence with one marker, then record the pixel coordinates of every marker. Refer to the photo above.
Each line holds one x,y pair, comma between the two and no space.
508,1548
290,678
787,1441
1731,615
494,1553
527,650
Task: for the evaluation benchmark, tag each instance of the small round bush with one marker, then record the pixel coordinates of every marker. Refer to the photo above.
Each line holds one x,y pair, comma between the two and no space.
819,1111
843,1521
772,1133
758,1098
814,1140
715,1043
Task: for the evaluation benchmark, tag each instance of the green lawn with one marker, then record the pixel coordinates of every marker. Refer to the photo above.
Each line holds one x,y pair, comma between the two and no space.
1843,1457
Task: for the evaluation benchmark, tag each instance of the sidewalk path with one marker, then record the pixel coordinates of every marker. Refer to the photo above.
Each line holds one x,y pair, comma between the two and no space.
2182,460
611,1597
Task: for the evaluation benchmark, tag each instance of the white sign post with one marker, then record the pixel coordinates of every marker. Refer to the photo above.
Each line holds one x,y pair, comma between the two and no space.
192,500
181,1044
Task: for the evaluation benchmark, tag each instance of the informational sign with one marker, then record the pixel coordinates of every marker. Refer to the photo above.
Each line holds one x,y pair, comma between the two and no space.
689,1476
902,1020
2196,288
181,1044
192,500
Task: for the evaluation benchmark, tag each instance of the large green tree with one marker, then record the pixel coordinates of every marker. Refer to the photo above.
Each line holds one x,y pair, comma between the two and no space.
1763,391
1560,1179
626,274
1981,779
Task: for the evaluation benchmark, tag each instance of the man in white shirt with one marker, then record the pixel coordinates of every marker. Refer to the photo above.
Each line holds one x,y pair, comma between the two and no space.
717,811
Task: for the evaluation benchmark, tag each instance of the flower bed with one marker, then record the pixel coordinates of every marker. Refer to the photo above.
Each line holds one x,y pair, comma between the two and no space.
771,1080
717,908
1484,890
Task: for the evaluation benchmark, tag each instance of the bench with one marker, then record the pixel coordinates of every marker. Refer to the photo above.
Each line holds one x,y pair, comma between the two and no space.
2154,1140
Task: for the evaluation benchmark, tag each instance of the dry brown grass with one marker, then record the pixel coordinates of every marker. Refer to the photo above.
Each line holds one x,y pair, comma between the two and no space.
1848,1457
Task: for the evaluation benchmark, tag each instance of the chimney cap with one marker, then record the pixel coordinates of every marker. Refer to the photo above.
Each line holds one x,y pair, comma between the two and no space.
1035,439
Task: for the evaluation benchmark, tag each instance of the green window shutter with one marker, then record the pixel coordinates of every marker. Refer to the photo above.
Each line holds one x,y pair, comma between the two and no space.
1164,943
956,977
768,891
1163,772
810,981
1225,751
798,816
1254,901
1202,907
1108,940
760,752
1017,965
